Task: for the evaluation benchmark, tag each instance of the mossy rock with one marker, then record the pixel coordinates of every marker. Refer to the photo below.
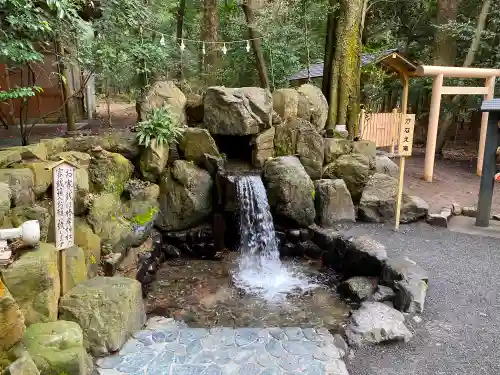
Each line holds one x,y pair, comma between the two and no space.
285,138
108,172
9,157
91,245
11,320
78,158
55,145
24,365
36,151
33,280
5,199
21,183
195,143
42,175
76,267
154,160
109,310
57,348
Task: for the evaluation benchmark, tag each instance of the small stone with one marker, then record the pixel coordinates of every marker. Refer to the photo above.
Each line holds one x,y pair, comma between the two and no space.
384,293
456,209
417,319
374,323
469,211
358,288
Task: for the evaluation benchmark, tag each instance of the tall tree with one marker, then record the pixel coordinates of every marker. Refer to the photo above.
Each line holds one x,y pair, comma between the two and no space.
445,46
469,59
345,70
257,49
210,35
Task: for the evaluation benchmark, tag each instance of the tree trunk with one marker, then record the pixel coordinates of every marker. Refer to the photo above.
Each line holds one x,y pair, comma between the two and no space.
469,59
345,81
211,35
329,50
445,46
254,35
67,99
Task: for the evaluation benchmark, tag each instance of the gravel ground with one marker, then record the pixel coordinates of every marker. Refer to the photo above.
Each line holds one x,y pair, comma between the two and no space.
459,330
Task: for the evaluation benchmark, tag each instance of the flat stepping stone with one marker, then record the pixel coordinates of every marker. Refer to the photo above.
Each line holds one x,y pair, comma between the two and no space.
167,347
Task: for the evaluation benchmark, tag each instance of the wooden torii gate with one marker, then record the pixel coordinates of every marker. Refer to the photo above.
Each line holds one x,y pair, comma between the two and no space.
439,73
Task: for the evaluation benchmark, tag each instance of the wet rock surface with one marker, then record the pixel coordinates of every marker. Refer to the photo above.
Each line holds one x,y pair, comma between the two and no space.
374,323
169,347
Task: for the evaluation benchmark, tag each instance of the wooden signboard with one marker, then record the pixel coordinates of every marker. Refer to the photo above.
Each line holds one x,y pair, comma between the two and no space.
406,136
405,147
63,198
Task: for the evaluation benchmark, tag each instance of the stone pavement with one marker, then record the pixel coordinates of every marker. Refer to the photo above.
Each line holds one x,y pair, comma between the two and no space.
167,347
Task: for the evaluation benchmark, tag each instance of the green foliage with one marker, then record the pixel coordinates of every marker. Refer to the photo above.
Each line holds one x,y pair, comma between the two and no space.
159,125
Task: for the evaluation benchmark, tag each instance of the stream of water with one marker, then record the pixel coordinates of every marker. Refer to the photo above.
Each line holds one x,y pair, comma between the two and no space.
260,271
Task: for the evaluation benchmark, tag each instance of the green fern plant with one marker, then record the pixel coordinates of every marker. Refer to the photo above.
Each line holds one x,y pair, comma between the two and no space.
159,125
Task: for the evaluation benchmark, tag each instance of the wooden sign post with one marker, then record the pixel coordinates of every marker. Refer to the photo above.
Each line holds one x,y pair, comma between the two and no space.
63,185
405,147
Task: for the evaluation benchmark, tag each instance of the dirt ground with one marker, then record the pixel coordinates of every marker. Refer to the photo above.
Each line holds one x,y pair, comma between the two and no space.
454,174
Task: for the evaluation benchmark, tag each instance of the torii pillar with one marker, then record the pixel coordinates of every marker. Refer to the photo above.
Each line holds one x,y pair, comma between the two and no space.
439,73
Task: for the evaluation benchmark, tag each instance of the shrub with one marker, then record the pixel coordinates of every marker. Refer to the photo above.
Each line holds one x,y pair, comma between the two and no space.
159,125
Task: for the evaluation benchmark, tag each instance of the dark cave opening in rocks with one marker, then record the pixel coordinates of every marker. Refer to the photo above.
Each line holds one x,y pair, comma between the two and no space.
235,147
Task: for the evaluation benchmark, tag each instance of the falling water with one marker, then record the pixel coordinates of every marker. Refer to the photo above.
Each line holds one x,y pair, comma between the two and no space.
260,270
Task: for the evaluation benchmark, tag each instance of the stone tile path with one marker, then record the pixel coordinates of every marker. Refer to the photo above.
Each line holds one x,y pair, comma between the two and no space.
166,347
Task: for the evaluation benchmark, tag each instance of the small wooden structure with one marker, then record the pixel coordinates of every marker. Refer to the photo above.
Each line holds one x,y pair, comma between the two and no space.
439,73
50,100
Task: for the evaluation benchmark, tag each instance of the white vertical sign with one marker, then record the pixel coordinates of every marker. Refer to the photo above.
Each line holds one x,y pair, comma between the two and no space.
63,183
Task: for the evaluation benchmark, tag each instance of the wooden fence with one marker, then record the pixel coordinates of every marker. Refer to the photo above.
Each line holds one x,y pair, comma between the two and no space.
382,128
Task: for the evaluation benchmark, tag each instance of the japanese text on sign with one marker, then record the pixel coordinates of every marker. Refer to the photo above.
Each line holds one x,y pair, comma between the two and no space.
63,181
406,136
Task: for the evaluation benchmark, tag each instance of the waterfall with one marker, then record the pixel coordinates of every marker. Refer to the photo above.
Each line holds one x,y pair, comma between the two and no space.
260,270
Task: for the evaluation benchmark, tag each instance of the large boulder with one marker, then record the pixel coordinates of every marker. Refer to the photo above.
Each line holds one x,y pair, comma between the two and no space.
33,281
81,159
310,149
333,203
378,201
410,282
164,94
375,323
9,157
57,348
5,199
55,145
124,143
21,183
185,196
383,164
285,103
23,365
108,309
33,152
237,111
312,105
108,172
90,243
42,174
76,267
263,148
285,139
11,320
195,143
367,148
106,219
354,169
335,148
290,190
153,161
